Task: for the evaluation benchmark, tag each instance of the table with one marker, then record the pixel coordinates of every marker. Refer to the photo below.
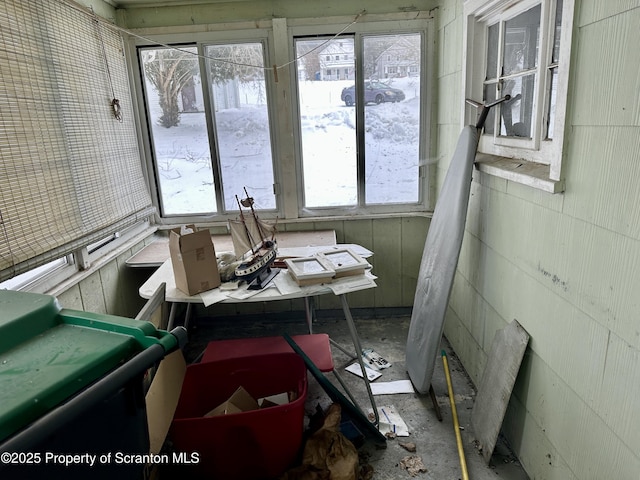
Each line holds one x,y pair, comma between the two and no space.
154,254
282,288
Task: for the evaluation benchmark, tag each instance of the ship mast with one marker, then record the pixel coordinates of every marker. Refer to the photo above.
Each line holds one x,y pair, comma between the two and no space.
244,223
248,201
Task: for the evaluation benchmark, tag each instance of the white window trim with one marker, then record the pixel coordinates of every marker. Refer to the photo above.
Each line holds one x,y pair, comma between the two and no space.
373,24
278,33
64,272
541,166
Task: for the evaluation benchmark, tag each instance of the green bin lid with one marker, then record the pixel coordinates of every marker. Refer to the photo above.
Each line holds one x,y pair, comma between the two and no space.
48,354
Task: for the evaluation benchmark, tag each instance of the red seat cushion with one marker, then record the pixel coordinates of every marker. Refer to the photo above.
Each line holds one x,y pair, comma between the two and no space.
316,346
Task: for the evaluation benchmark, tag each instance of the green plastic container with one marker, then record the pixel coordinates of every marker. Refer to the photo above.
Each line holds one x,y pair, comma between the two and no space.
48,354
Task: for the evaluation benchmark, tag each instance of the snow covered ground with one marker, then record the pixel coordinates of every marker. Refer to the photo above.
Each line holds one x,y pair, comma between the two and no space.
329,151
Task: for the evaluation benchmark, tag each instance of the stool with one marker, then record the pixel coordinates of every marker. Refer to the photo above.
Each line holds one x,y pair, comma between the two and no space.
316,346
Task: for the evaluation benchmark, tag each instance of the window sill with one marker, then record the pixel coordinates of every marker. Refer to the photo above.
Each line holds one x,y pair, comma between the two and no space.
535,175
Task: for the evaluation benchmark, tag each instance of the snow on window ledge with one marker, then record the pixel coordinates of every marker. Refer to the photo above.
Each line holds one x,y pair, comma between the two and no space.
528,173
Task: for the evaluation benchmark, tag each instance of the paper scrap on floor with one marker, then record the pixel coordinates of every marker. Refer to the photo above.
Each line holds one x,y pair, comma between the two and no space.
357,370
374,360
391,421
387,388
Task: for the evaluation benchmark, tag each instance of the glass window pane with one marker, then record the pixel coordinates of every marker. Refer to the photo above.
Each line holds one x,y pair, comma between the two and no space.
490,96
179,132
517,113
392,118
492,51
521,39
552,103
328,135
555,56
27,278
239,105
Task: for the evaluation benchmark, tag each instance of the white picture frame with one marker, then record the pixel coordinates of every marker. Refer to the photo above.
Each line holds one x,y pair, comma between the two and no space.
344,261
309,270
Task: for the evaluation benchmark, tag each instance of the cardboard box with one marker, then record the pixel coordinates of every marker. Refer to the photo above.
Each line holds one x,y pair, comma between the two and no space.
240,401
194,260
275,400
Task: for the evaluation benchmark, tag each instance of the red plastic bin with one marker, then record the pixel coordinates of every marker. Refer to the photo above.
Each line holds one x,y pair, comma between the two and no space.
254,445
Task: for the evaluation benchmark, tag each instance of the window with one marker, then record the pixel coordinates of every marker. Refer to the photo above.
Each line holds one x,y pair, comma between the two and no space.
230,94
362,138
210,127
28,279
520,49
71,170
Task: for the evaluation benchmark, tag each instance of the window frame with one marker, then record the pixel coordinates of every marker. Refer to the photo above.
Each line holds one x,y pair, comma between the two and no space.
536,162
278,37
201,40
57,274
359,31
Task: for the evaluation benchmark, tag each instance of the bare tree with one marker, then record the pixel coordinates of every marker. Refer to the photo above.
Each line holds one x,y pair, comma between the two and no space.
310,59
242,62
169,70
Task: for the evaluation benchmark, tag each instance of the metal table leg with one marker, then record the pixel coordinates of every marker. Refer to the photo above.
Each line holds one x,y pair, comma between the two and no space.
172,316
308,311
356,343
173,313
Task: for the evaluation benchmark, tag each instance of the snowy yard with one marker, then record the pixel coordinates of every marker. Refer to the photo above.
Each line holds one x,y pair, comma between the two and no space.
328,149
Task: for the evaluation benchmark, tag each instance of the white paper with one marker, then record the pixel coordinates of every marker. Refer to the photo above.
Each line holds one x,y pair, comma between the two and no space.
351,284
374,359
243,293
356,370
391,421
386,388
285,284
213,296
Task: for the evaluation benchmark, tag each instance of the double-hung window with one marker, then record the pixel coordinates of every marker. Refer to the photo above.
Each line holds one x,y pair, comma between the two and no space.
521,49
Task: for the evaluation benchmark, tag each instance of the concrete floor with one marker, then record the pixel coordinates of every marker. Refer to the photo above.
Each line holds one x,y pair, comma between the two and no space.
435,441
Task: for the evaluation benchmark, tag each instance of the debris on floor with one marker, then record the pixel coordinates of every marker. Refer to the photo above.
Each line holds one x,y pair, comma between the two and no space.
409,446
390,422
329,455
413,465
374,359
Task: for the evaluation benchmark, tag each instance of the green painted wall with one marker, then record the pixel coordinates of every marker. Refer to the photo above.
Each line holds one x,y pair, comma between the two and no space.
566,265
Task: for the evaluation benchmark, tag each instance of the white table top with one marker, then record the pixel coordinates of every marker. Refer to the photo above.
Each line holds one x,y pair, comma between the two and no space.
282,287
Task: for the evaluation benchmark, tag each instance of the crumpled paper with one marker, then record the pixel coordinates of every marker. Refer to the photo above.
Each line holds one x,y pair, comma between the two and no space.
328,454
413,465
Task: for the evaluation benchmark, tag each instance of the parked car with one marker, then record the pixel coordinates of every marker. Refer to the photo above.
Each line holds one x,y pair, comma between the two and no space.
374,92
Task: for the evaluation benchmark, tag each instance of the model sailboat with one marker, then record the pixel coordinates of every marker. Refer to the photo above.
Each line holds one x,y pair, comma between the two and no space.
254,242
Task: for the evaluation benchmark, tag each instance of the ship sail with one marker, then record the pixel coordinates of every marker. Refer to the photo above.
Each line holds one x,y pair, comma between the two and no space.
246,235
249,233
254,244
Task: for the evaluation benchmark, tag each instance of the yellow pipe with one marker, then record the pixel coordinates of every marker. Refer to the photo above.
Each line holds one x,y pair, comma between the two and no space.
454,412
